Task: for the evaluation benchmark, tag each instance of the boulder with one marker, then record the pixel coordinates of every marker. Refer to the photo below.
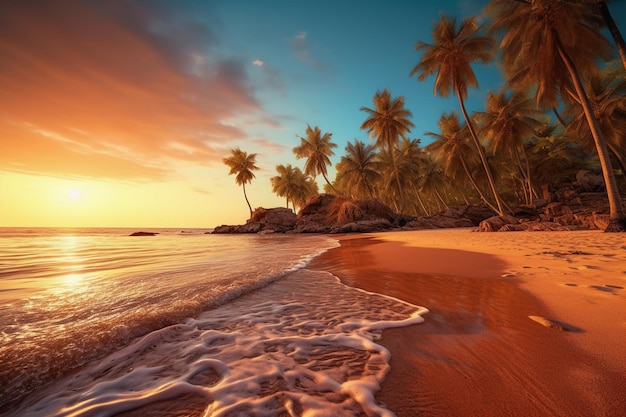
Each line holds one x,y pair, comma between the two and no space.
495,223
144,234
365,226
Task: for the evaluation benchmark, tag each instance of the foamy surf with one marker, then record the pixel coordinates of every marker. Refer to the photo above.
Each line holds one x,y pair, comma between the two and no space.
302,346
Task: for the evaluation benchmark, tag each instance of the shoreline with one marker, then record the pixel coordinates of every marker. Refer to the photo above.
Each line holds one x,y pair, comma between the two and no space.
478,352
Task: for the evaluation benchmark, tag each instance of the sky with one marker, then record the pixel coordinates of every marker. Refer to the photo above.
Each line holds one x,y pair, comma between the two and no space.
119,113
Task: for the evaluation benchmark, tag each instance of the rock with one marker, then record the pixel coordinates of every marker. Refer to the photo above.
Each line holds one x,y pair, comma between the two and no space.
144,234
327,213
452,217
274,220
366,226
495,223
589,182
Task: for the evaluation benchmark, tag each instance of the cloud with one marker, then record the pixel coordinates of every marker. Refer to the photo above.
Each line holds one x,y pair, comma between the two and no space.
301,50
95,89
258,62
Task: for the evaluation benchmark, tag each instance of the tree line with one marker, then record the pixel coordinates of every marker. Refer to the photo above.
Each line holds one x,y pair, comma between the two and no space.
563,109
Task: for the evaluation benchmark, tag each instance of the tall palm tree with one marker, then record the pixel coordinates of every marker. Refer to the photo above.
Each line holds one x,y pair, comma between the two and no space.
242,164
294,185
507,122
318,149
388,121
453,150
607,94
550,45
359,169
450,57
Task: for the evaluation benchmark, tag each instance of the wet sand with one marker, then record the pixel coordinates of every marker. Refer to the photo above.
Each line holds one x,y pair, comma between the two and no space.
479,353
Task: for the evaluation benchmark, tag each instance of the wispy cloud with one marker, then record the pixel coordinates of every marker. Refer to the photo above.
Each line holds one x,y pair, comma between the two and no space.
95,89
258,62
301,49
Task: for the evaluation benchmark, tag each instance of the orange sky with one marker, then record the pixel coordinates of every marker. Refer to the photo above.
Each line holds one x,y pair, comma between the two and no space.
135,123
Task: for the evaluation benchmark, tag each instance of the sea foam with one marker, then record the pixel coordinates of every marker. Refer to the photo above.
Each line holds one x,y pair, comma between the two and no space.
305,345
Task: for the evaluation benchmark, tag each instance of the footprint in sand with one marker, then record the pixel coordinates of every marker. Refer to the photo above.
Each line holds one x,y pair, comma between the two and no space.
612,289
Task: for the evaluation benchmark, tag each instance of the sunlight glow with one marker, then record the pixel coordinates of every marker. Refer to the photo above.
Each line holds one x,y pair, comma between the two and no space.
73,194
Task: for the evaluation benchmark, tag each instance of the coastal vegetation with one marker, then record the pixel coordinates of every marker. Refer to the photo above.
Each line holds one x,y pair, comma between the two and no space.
562,110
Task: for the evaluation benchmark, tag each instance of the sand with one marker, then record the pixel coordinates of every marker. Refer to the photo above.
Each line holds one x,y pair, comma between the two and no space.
520,323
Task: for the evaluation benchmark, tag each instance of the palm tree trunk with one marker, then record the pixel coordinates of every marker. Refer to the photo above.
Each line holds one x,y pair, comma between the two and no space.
617,214
531,187
620,158
330,185
397,178
246,197
471,179
615,33
481,153
445,205
419,199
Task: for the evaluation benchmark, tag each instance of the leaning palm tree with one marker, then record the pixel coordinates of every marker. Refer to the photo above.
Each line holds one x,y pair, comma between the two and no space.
388,121
506,123
550,45
318,149
359,169
450,57
242,164
452,150
607,94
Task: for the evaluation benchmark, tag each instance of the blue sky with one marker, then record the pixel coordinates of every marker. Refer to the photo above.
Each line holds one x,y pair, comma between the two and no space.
119,113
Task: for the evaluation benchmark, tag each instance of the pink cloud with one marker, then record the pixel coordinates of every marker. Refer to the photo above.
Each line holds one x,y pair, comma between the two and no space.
90,89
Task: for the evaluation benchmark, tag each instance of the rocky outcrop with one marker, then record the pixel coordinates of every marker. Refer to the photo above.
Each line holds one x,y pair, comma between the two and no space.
274,220
462,216
327,213
579,205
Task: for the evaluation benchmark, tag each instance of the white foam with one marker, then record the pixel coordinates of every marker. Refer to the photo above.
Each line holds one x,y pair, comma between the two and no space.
303,346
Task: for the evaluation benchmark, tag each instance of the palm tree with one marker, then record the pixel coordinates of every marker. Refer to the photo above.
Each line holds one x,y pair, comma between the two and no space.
452,149
358,169
242,164
318,149
548,45
294,185
450,57
607,94
507,122
388,121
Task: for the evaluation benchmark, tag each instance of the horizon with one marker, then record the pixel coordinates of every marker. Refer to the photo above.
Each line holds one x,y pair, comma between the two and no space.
117,114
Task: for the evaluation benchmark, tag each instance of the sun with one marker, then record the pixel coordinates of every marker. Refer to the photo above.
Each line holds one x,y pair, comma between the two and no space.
73,194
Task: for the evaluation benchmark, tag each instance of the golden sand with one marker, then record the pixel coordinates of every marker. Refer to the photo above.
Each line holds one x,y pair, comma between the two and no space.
520,323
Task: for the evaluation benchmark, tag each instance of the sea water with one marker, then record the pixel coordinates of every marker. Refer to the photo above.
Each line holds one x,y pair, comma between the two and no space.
94,322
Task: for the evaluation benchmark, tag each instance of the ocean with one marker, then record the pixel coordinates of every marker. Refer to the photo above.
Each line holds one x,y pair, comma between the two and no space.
94,322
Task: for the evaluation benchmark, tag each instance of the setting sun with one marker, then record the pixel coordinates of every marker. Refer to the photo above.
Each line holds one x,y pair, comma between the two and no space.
73,194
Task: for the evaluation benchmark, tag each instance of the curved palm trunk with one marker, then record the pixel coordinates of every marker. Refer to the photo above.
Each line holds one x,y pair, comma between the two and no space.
615,33
617,214
483,157
620,158
476,187
330,185
246,197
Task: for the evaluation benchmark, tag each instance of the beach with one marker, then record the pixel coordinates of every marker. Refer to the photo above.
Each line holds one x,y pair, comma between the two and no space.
519,324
